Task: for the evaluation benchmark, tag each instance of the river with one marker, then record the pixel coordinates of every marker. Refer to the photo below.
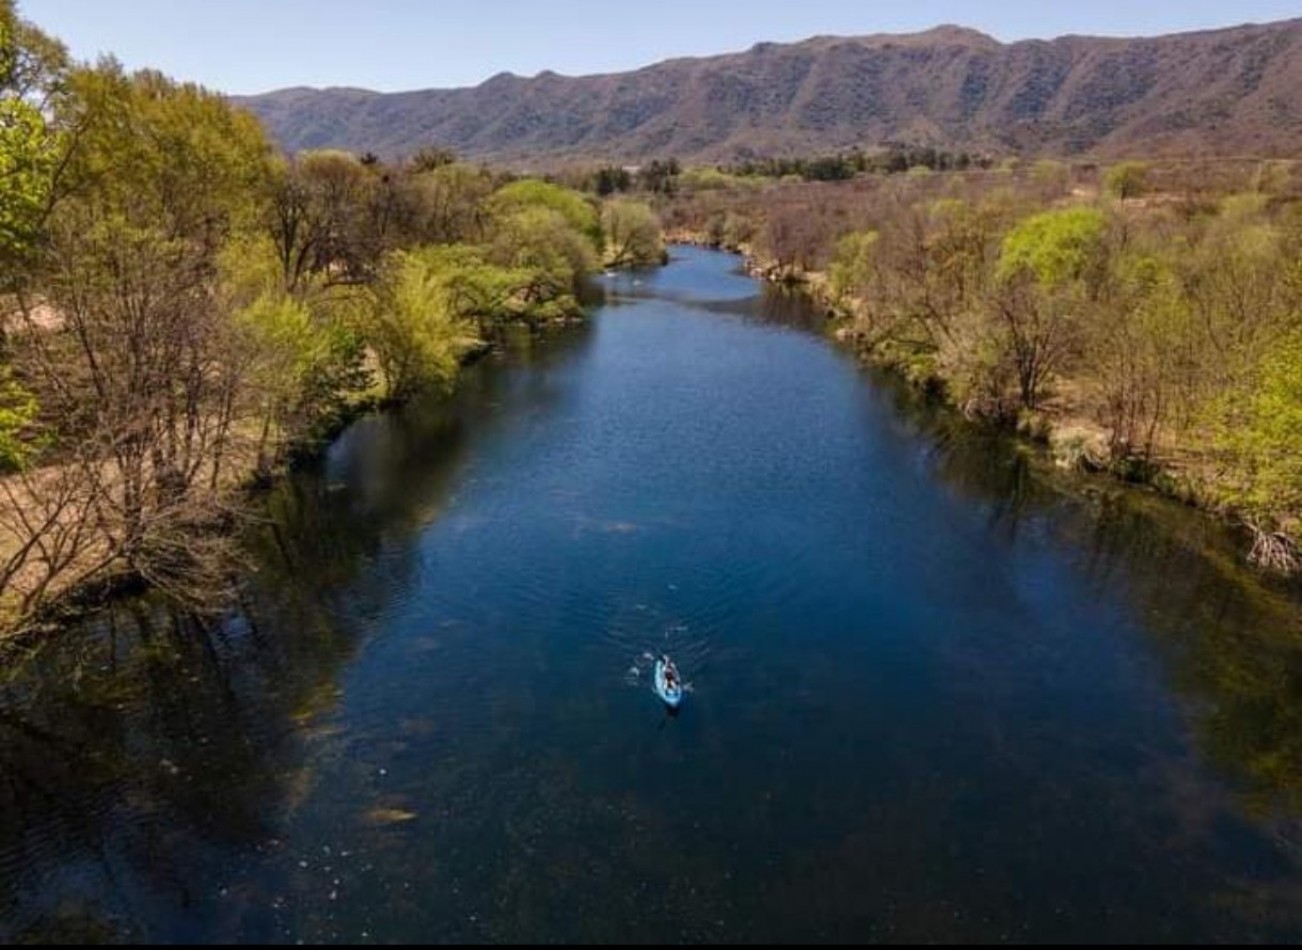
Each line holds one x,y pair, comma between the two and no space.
939,692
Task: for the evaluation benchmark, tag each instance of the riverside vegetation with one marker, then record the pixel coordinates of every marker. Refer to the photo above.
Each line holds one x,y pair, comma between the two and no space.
1143,319
184,309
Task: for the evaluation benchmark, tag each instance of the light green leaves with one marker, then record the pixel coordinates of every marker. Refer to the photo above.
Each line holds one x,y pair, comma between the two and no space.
18,411
415,330
532,196
633,236
1056,248
1262,432
1127,180
28,157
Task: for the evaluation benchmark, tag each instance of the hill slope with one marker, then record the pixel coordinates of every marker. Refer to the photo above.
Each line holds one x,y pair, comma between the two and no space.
1235,91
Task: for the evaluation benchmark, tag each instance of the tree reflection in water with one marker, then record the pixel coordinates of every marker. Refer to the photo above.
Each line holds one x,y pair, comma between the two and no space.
144,757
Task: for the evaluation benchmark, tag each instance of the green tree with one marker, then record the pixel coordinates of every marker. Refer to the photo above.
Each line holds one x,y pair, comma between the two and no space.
1056,248
162,178
28,157
552,233
1236,277
531,195
317,217
851,272
448,205
1050,269
1259,435
32,68
1139,348
612,180
544,243
660,177
1261,430
297,358
1127,180
18,413
414,329
633,235
478,291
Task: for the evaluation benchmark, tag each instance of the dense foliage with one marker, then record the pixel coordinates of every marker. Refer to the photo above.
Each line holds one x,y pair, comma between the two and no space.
184,308
1145,318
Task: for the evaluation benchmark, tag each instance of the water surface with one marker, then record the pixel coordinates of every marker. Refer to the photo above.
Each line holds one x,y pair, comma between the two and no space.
939,694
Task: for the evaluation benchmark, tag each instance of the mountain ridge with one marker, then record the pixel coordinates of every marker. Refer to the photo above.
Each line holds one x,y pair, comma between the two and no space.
1236,90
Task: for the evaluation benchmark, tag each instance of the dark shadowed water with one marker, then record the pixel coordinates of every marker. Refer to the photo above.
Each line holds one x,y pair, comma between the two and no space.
939,694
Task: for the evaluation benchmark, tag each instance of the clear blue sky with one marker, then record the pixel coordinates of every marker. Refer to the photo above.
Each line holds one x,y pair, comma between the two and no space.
246,46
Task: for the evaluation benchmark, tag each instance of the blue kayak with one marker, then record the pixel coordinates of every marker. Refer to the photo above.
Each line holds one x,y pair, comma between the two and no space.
671,695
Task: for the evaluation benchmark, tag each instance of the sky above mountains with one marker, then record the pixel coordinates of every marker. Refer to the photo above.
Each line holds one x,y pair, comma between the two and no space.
251,46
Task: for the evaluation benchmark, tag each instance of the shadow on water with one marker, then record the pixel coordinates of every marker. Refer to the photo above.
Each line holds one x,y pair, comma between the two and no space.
1230,637
146,755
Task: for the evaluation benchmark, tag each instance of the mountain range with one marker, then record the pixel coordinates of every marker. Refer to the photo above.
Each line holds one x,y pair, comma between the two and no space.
1235,91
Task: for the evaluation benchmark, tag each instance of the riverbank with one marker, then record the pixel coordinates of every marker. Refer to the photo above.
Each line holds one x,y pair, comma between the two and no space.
1062,428
228,308
59,523
48,589
372,744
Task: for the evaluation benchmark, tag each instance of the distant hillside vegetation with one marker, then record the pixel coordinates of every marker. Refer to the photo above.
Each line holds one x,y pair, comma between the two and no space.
1235,91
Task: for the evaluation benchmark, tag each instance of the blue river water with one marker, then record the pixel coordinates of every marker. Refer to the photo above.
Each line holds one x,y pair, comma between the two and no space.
939,692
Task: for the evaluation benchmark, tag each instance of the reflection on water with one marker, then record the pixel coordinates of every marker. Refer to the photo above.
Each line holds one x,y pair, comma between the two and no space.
1230,638
940,692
